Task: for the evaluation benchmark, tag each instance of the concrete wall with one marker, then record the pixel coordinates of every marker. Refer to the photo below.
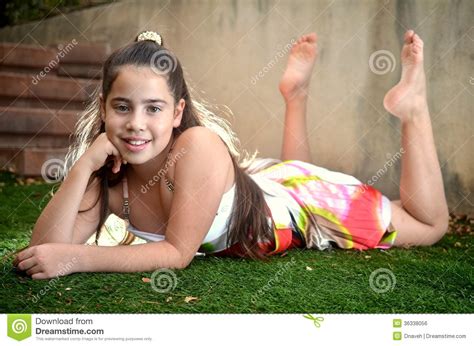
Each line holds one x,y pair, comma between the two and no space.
224,45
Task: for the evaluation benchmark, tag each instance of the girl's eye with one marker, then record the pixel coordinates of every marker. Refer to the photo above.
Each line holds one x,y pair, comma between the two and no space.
121,108
154,109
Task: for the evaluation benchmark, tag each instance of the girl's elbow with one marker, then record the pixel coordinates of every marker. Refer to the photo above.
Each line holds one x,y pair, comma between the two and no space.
184,262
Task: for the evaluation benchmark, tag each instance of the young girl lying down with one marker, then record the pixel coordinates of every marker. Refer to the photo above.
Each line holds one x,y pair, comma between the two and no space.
170,168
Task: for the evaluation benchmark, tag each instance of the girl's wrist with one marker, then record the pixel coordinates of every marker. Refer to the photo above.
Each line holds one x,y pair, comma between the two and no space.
83,165
79,258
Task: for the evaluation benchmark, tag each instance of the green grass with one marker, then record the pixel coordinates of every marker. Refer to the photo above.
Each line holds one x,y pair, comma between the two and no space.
437,279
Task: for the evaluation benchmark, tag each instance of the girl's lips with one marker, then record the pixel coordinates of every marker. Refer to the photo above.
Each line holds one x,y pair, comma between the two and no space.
135,148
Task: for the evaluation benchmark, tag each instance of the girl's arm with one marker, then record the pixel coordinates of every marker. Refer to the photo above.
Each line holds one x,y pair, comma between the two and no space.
60,222
56,222
200,179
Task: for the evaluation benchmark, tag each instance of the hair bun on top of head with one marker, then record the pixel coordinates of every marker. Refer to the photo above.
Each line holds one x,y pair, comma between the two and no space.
150,36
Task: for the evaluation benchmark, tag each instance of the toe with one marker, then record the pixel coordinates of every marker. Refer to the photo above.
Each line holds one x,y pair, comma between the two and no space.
409,36
417,40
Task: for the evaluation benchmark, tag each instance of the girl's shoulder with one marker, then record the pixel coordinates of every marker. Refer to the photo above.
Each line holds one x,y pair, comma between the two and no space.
199,139
197,133
197,145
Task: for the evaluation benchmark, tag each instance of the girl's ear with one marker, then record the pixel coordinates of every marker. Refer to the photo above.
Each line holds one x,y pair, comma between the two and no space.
178,112
102,107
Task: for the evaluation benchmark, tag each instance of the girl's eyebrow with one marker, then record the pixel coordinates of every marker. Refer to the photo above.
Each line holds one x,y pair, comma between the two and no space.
124,99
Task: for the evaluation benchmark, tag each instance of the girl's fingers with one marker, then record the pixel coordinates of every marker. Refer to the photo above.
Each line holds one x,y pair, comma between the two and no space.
34,270
27,264
27,253
118,163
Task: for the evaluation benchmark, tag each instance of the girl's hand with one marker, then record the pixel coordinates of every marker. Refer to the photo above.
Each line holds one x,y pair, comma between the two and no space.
48,260
97,154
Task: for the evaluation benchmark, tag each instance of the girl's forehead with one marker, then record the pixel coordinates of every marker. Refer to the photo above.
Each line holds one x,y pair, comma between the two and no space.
140,82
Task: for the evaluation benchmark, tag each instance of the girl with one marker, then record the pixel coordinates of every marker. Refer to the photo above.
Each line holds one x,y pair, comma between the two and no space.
168,165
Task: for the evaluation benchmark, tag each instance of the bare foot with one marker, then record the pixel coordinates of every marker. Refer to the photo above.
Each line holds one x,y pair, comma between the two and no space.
295,80
409,95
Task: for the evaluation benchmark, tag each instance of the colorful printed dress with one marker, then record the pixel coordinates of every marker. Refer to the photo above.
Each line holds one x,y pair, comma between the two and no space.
312,207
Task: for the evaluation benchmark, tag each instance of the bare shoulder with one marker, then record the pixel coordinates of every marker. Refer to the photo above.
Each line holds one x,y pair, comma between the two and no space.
200,146
201,141
202,137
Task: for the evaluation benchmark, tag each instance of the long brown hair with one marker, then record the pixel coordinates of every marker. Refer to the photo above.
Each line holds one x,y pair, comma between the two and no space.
249,218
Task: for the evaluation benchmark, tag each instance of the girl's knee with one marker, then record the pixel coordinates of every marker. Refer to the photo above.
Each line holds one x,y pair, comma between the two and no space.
442,226
437,231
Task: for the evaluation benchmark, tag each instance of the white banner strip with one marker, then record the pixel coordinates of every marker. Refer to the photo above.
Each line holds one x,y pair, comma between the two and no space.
228,329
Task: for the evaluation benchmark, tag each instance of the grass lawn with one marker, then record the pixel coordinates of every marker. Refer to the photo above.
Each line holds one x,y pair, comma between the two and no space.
438,279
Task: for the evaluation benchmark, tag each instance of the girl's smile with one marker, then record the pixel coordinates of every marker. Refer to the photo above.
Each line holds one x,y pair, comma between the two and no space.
136,145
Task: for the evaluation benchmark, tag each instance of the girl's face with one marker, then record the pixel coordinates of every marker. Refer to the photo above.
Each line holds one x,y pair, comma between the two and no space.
140,114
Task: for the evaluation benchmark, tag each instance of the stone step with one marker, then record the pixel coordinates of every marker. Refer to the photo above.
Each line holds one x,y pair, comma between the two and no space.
82,53
51,91
33,121
26,127
31,162
83,60
33,141
27,121
26,56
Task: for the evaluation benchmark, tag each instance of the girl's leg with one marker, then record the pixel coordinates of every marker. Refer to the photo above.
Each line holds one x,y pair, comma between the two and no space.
421,217
294,87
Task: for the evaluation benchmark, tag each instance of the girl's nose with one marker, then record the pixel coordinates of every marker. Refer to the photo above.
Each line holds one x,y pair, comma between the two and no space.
136,122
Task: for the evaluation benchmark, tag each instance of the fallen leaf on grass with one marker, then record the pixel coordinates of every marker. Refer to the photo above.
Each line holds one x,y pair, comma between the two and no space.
146,280
190,299
169,299
309,268
68,288
367,256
